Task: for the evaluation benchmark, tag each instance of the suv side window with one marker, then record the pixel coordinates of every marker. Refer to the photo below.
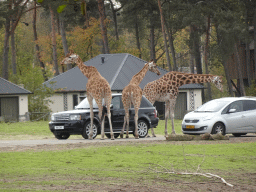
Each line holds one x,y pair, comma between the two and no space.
144,103
116,101
249,105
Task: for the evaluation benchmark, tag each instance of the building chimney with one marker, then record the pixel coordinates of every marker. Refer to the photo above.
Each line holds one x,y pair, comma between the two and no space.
102,60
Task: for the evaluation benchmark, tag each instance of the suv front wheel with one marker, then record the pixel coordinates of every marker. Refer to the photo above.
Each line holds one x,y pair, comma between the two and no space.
142,129
86,130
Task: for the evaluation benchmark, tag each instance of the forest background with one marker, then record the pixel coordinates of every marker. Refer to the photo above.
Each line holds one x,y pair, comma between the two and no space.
196,36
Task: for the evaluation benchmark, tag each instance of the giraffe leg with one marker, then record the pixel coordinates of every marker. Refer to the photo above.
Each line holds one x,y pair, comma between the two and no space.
109,118
122,132
127,124
101,116
153,133
172,108
167,110
91,116
136,124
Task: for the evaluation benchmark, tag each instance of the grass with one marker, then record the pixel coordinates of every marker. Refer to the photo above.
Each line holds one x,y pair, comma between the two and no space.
123,162
126,162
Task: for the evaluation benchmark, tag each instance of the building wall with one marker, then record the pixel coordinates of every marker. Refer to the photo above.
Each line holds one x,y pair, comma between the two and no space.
57,104
22,107
194,98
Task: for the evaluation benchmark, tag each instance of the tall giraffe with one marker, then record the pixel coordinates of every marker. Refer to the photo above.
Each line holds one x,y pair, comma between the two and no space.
132,94
165,89
97,88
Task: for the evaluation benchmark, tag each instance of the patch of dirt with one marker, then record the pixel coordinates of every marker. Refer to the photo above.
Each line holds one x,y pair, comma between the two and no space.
73,183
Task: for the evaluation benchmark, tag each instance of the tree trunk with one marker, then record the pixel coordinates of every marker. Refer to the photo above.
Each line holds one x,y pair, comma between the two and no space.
103,26
152,41
225,65
206,55
248,67
191,63
197,51
137,35
64,39
54,46
254,24
37,46
6,49
192,56
114,19
14,64
239,69
164,36
230,87
170,40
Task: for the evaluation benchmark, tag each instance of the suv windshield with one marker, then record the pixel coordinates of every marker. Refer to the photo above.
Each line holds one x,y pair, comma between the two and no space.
85,104
212,106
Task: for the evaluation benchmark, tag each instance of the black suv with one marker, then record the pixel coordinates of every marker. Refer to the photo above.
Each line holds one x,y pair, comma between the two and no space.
77,122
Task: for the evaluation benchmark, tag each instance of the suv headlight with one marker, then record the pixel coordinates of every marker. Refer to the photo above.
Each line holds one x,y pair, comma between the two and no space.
52,118
75,117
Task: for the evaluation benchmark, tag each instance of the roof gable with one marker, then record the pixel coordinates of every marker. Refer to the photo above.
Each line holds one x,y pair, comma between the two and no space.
117,69
9,88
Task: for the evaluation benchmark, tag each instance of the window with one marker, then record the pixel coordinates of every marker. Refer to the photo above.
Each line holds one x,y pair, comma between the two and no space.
249,105
116,102
236,105
75,101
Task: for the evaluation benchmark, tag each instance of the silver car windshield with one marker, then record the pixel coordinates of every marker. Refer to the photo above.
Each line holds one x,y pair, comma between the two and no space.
212,106
85,104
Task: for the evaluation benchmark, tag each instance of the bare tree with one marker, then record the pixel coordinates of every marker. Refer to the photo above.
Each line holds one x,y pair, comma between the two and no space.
54,44
206,55
164,36
103,26
15,10
37,46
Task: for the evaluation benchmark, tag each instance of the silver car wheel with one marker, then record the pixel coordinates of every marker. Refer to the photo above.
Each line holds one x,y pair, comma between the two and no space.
218,128
94,130
142,128
86,130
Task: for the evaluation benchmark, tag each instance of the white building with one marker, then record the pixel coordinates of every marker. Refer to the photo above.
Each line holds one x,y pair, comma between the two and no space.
13,101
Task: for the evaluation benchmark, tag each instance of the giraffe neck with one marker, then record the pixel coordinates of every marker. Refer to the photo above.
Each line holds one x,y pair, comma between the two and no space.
88,71
136,79
188,78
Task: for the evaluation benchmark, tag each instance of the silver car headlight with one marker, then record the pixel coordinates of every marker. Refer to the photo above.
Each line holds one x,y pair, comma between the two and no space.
75,117
52,118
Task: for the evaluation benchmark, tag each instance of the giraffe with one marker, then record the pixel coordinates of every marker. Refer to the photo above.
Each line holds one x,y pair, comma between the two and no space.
132,94
165,89
97,87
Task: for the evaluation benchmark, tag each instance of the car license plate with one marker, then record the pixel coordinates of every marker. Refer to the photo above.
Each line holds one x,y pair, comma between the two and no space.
59,127
190,126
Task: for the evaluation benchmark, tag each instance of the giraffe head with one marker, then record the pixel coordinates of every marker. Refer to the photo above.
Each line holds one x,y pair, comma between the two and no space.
153,68
217,80
70,58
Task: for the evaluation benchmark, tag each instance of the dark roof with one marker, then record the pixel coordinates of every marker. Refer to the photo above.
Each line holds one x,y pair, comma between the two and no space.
117,69
9,88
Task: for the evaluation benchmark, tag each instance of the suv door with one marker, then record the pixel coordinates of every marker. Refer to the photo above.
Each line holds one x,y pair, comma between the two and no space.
117,112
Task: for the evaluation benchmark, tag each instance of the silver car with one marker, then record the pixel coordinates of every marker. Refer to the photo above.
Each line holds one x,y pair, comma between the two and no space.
230,115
